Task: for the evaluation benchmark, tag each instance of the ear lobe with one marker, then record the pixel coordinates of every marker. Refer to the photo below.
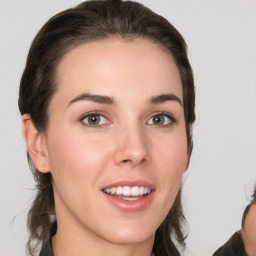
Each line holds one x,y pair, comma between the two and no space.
36,144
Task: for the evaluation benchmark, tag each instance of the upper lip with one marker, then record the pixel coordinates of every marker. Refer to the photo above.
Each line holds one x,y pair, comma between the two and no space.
131,183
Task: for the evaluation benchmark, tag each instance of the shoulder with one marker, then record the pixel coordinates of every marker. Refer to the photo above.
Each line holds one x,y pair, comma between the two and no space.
233,247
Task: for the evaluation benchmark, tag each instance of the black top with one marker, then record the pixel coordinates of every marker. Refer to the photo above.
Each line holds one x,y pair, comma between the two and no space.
46,249
233,247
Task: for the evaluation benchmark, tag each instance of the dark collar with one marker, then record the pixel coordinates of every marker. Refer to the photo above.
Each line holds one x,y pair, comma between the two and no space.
46,249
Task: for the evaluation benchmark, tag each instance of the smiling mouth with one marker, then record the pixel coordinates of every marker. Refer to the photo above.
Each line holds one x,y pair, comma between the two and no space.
128,193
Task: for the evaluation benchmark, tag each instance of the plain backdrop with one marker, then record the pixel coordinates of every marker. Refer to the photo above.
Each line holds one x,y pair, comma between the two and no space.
221,38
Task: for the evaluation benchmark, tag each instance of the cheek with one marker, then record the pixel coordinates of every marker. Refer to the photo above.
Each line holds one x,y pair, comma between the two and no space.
172,154
77,163
75,156
172,161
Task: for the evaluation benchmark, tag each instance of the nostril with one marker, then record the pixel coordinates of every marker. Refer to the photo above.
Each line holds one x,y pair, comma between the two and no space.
142,161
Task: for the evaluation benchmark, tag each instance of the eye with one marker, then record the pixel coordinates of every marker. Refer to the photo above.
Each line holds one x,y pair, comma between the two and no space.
94,119
161,120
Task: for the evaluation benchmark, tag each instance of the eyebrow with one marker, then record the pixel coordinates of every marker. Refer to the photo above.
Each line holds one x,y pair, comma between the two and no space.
165,97
102,99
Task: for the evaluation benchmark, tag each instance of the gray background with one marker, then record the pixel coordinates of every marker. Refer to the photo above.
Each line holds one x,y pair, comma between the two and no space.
221,36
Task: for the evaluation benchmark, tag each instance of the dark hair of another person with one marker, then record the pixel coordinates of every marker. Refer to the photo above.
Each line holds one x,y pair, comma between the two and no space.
87,22
253,201
254,196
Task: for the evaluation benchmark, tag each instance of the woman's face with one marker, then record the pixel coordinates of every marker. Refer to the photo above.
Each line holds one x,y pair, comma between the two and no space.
116,141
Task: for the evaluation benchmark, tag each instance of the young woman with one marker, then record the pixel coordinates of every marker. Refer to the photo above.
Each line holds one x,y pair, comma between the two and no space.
107,103
243,243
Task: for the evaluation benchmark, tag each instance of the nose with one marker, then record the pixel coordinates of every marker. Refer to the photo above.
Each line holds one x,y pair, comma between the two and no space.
132,147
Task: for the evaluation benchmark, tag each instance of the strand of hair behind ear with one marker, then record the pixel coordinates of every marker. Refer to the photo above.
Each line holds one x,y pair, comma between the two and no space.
39,216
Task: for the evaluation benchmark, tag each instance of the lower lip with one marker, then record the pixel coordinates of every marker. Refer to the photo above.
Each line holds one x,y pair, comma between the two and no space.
130,206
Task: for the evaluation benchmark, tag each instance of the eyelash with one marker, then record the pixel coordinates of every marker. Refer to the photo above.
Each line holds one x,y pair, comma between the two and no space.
172,120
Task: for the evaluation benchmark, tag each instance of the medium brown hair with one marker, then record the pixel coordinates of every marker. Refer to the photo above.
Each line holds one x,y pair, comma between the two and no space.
91,21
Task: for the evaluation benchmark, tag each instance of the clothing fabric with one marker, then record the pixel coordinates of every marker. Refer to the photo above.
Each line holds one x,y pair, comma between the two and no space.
46,249
233,247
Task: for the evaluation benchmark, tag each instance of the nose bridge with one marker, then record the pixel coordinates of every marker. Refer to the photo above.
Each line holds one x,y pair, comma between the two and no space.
132,145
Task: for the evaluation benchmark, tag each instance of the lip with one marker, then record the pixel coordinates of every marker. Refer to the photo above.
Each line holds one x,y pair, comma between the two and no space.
134,205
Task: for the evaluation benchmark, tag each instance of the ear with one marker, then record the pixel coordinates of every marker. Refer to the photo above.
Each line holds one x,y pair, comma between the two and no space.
36,144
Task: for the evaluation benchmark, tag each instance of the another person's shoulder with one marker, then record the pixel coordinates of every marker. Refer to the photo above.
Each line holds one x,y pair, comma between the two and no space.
243,243
233,247
249,230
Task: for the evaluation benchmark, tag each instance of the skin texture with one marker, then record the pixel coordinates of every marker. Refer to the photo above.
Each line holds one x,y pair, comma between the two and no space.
126,145
249,232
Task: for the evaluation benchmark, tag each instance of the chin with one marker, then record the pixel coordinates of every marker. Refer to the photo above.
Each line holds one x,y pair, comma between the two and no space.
131,235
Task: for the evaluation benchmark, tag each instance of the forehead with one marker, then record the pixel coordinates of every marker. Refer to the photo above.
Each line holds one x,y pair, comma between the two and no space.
110,65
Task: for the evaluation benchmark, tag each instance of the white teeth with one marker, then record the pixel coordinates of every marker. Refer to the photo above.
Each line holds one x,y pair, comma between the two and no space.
128,191
135,191
108,190
119,191
141,190
113,191
130,198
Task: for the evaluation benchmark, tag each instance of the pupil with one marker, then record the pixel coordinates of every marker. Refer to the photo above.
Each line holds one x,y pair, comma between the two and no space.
158,120
94,120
